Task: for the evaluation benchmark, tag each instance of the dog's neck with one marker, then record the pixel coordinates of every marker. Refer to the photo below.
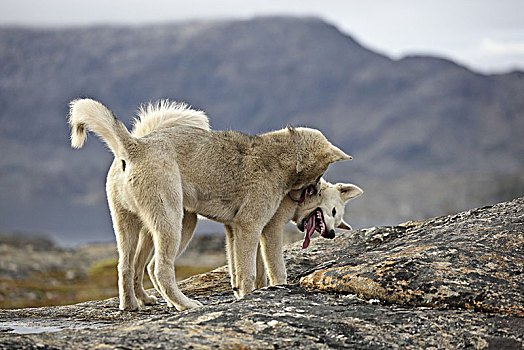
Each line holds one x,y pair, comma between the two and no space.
298,150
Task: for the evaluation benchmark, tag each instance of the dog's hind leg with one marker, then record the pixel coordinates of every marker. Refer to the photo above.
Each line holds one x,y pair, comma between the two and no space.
127,226
188,228
162,212
189,223
144,248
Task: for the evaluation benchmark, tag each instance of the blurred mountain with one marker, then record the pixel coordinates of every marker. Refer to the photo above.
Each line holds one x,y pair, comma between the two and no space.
429,137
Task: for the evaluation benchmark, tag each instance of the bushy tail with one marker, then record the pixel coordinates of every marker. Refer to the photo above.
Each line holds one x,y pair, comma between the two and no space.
90,115
165,114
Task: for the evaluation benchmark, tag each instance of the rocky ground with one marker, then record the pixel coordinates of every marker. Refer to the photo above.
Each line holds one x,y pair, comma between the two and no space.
449,282
35,272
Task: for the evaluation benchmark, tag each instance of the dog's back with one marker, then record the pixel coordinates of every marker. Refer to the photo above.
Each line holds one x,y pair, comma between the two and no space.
220,170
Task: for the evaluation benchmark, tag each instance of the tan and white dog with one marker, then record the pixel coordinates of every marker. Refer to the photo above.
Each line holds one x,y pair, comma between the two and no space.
319,209
160,182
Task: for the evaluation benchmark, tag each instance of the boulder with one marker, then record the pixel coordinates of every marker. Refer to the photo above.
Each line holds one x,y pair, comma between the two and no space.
449,282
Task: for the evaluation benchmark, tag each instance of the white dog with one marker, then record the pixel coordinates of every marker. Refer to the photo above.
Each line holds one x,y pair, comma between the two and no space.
160,181
322,212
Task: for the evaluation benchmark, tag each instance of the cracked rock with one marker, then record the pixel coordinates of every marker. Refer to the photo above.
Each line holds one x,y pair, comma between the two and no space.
448,282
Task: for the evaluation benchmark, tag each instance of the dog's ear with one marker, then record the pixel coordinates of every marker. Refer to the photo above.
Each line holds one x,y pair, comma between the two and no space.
337,155
344,225
322,185
348,191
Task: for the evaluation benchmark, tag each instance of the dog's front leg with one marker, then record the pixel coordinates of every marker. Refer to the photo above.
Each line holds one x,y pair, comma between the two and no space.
231,264
261,279
245,241
271,242
271,248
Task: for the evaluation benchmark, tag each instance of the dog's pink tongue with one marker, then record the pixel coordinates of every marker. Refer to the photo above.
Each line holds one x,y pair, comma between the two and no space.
310,228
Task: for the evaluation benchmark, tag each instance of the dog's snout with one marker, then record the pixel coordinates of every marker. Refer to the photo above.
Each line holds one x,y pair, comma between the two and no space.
330,234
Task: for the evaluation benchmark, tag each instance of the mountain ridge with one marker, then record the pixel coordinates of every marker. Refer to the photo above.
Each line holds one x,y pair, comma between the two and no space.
398,118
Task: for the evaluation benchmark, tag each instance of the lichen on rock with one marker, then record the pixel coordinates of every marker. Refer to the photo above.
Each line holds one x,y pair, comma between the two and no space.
469,260
447,282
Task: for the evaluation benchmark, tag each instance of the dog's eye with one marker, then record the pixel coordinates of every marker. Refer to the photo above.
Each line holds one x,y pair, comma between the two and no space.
334,212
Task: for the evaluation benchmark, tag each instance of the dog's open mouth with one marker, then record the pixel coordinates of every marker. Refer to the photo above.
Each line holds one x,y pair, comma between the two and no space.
308,191
314,221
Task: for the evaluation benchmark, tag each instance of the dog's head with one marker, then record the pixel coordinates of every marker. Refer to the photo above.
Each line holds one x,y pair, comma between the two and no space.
314,154
323,211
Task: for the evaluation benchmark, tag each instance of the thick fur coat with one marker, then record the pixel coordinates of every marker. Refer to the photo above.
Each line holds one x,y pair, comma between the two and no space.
237,179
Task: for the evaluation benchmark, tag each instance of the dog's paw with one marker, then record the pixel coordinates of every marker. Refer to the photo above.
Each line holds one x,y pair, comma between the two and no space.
260,283
278,281
129,306
245,286
148,300
240,293
188,304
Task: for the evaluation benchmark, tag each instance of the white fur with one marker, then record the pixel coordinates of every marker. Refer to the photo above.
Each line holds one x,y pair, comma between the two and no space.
92,115
329,197
167,114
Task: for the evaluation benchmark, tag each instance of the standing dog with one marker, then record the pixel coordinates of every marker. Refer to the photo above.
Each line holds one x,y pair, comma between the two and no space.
320,210
233,178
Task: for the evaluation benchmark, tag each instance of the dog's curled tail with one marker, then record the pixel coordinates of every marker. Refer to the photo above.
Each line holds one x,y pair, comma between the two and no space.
90,115
165,114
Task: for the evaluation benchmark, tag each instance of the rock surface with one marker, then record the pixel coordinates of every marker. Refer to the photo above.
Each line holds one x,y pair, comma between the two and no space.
34,272
449,282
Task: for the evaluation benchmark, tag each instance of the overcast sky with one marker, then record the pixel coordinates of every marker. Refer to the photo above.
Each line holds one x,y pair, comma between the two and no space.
485,35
